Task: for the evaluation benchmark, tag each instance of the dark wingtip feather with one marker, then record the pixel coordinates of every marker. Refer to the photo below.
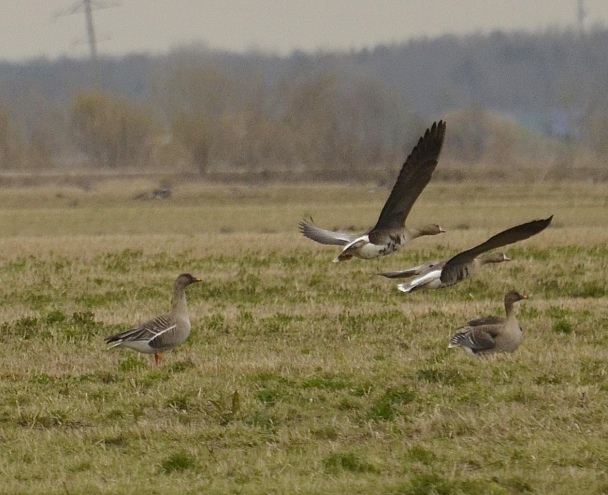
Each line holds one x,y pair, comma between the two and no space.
538,226
303,224
437,130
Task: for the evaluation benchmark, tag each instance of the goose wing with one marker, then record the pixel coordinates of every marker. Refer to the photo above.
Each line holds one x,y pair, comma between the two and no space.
417,270
415,174
485,321
476,339
310,230
456,268
151,331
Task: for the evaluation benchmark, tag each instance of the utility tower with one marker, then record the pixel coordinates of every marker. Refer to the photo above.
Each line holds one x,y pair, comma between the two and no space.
92,41
88,6
581,13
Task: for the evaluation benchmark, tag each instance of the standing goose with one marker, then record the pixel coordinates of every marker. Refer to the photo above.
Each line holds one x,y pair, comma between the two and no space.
492,334
164,332
463,265
390,233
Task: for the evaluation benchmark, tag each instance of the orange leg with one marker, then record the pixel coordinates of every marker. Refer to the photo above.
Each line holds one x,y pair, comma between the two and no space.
158,358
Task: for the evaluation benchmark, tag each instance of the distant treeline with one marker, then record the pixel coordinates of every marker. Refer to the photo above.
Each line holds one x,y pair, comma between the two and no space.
321,113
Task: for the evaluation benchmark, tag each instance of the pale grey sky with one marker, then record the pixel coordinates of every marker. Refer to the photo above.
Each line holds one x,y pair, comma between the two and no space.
31,28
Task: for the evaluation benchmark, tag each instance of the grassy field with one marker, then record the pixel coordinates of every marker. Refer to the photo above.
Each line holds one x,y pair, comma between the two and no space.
301,376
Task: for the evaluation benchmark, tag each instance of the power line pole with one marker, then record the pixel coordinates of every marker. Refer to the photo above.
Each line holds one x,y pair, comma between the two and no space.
92,42
581,13
88,6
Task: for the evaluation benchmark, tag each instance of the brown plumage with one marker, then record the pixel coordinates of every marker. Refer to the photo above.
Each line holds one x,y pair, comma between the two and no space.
492,334
164,332
390,233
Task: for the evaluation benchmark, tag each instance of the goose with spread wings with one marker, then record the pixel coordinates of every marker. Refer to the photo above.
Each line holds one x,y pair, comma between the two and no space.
390,233
463,265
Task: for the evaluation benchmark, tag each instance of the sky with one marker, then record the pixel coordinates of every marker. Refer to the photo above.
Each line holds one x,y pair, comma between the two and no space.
46,28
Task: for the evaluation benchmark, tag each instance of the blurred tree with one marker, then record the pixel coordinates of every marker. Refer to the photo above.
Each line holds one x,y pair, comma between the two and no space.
310,116
110,130
254,139
334,122
594,123
12,147
377,121
195,132
197,98
48,138
469,134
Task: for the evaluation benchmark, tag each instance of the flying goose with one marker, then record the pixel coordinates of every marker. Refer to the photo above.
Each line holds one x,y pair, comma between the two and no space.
390,233
492,334
163,332
465,264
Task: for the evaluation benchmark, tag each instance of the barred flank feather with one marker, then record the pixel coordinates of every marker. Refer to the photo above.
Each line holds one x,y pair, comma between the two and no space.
457,340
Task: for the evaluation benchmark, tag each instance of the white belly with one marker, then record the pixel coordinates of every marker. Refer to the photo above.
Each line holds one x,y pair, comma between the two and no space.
138,345
362,248
370,251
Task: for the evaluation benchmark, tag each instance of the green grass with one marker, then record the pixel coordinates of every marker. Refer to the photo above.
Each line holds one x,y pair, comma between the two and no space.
300,375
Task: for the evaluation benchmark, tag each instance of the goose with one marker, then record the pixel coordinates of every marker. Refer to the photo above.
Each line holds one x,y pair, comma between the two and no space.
164,332
491,334
390,234
460,267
